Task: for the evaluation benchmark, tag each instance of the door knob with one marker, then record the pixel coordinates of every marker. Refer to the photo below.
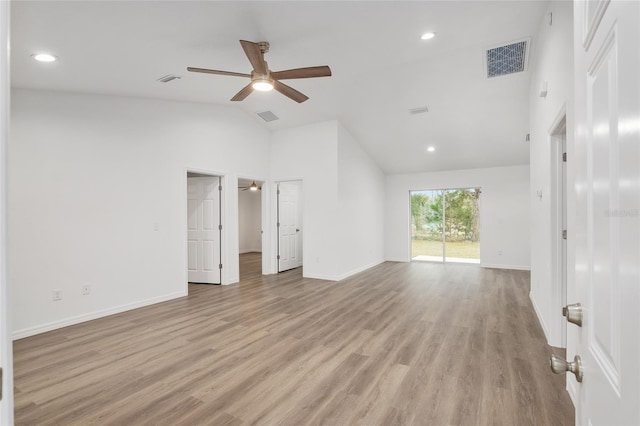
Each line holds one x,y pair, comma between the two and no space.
561,366
573,313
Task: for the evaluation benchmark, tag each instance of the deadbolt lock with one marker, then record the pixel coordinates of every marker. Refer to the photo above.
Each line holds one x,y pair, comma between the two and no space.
573,313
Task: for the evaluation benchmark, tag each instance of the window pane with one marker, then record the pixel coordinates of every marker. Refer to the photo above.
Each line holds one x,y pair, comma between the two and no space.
462,225
426,225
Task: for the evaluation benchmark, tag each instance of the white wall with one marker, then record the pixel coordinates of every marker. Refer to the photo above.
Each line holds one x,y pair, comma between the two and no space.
504,212
552,62
6,347
249,221
310,153
337,240
360,207
90,175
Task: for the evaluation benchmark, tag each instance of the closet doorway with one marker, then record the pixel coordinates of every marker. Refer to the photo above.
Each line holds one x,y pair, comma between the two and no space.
445,225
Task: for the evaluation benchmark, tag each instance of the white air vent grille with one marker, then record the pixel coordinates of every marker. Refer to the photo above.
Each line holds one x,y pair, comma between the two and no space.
268,116
508,59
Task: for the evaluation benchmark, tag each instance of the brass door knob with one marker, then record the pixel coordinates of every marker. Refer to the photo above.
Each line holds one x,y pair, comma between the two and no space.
561,366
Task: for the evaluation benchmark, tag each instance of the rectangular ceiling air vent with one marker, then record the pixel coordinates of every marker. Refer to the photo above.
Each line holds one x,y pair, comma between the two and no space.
268,116
507,59
169,77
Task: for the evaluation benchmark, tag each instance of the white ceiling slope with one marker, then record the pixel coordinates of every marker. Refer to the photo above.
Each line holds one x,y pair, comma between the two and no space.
381,68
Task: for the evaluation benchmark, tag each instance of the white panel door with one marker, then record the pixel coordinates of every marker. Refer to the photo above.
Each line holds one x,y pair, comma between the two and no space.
607,231
203,233
289,226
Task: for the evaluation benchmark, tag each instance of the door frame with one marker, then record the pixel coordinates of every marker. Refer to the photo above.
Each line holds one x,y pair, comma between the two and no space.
559,216
264,223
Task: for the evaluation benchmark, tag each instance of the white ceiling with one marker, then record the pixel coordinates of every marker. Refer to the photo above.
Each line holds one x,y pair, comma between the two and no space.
381,68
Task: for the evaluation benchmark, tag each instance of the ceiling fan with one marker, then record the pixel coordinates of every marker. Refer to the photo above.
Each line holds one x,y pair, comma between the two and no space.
252,187
263,79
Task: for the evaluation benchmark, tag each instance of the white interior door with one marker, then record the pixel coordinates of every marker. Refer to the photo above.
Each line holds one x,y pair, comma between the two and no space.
289,226
203,232
607,234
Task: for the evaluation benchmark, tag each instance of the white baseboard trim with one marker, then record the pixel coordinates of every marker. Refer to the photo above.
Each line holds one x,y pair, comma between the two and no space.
497,266
573,392
345,275
319,277
231,280
245,251
54,325
360,269
540,319
397,259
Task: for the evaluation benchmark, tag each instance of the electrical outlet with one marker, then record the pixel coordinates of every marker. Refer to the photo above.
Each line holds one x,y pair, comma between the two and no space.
56,295
86,290
499,252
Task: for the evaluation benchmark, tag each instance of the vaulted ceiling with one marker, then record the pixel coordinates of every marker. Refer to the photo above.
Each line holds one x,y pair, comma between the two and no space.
381,67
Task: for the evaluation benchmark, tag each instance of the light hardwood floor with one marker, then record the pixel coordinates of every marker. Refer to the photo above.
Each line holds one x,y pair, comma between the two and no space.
417,343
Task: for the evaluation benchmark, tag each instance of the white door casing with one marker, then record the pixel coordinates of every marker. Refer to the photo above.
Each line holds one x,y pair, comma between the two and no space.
203,233
289,223
607,222
558,249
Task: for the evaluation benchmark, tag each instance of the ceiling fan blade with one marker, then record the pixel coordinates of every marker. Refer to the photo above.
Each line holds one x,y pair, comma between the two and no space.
308,72
255,56
242,94
289,92
208,71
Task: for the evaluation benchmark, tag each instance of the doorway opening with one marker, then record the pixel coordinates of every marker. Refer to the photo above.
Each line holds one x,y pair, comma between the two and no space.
250,228
445,225
289,225
204,228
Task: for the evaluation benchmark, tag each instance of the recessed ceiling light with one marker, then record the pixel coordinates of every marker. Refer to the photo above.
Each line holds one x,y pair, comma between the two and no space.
44,57
431,149
428,36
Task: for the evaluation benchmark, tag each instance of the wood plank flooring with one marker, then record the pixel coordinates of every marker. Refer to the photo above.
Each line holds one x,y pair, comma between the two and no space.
399,344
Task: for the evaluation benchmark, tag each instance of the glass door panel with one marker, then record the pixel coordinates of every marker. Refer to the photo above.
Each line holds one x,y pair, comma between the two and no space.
462,225
426,225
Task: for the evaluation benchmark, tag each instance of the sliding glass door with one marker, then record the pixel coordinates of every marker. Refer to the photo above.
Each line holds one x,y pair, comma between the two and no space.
445,225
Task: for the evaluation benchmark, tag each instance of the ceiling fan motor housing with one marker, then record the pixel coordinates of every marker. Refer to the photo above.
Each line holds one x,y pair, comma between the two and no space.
264,46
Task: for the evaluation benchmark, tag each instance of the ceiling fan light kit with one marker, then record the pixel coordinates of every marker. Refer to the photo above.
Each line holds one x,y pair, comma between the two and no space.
253,187
263,79
262,85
